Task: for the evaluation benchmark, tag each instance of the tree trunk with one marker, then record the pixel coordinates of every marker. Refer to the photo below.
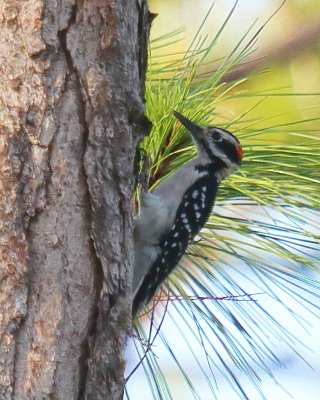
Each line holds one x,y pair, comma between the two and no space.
72,112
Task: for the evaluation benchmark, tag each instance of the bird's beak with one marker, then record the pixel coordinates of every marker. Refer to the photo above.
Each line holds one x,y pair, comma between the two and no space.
195,130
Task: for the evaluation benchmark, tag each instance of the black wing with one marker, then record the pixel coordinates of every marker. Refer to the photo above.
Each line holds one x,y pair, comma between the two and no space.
191,215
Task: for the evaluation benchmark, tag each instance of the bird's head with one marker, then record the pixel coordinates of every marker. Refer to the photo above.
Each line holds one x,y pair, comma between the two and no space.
214,144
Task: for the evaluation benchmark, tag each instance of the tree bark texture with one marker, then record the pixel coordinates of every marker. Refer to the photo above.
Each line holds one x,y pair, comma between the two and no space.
71,114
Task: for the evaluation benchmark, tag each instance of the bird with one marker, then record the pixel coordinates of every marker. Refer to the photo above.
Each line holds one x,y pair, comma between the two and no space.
176,210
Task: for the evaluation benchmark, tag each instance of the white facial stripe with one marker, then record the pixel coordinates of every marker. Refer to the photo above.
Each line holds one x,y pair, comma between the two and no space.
228,137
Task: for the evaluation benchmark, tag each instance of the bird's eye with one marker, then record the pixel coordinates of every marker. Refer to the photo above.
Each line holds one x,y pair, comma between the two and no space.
216,136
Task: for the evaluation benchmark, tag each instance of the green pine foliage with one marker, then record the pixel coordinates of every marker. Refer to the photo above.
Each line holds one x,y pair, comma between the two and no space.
263,231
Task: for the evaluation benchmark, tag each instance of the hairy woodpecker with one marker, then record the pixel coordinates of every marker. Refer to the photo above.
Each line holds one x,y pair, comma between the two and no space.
173,214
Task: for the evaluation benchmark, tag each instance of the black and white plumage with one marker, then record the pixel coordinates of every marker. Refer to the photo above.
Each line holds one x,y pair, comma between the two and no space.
173,214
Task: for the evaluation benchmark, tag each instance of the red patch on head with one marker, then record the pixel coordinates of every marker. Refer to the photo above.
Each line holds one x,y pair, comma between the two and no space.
239,152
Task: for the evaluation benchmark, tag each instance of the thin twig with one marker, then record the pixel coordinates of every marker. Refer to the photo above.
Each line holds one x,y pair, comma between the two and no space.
239,297
150,342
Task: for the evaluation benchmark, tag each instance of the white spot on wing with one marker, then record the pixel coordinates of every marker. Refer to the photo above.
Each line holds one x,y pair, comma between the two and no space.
195,194
198,215
174,245
176,234
195,207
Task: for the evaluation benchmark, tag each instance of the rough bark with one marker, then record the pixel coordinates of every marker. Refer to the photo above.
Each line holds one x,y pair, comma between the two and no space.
72,113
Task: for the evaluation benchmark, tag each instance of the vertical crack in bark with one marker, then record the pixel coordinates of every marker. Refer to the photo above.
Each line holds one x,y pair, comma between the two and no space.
98,273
